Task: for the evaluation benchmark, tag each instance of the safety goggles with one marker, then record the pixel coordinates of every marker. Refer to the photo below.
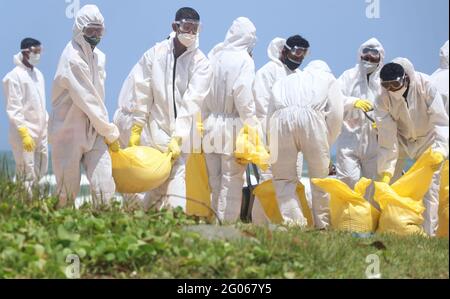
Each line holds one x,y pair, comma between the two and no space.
35,50
189,26
371,55
297,51
94,30
393,85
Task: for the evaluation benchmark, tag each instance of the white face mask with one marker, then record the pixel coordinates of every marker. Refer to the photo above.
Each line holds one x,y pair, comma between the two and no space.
34,59
370,67
187,39
401,91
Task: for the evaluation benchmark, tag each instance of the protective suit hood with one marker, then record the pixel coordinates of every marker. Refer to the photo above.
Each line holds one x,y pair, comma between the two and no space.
318,65
372,43
18,60
444,56
408,66
86,15
275,48
240,36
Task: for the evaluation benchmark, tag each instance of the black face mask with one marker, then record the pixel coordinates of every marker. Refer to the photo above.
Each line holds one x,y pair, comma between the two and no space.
93,41
290,64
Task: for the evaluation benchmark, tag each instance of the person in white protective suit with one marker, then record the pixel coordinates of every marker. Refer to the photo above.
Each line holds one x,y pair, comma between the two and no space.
79,127
440,76
306,112
356,147
410,117
229,105
24,90
285,56
170,83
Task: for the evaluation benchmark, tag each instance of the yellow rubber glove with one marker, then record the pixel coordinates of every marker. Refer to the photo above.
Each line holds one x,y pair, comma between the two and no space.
386,177
27,141
115,146
364,105
174,147
135,138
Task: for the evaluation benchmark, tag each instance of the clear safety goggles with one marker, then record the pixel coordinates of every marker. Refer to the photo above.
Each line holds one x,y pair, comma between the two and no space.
189,26
94,30
34,49
297,53
371,55
393,85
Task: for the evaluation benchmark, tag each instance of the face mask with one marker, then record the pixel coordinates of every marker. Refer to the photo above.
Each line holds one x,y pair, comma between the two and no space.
93,41
370,67
401,91
187,39
34,59
292,65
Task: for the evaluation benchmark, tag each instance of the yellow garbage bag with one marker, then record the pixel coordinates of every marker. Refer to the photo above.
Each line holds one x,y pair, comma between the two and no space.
198,193
349,210
266,195
443,203
140,169
402,203
250,149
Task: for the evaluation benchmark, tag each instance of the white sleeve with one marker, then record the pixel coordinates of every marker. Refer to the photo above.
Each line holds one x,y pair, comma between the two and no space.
14,106
344,83
77,80
198,89
242,91
387,136
141,78
439,121
262,92
334,112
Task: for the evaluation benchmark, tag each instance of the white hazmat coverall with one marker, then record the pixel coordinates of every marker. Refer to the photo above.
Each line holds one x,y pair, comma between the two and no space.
407,128
168,108
79,125
307,117
24,90
230,102
440,76
356,147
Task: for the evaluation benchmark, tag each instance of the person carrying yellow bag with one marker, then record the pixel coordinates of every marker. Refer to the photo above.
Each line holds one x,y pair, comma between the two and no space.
349,210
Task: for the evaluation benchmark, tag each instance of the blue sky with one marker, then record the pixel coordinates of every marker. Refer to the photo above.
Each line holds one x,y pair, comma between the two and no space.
411,28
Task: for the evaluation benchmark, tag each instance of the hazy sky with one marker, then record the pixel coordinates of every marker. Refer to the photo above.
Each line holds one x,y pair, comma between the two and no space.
411,28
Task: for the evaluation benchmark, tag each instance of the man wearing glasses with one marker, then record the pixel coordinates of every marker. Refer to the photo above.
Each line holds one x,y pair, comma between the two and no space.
411,118
24,90
357,145
168,86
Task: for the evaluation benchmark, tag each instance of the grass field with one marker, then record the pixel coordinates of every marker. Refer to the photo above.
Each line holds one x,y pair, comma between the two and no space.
36,240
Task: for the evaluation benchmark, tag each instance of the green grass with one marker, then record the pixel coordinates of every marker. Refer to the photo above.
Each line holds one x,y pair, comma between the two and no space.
115,242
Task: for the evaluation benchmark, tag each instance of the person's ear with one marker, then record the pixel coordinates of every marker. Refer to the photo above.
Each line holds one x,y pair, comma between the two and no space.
26,55
174,27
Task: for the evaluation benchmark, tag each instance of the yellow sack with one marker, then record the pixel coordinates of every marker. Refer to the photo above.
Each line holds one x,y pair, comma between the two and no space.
443,203
349,210
198,193
250,149
402,203
140,169
266,195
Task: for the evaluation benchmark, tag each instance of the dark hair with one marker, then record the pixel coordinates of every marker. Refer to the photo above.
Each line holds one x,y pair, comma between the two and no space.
298,41
187,13
28,43
391,71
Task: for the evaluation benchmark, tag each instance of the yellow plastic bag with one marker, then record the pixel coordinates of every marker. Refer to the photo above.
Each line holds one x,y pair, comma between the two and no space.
140,169
349,210
443,203
266,195
198,193
402,203
250,149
